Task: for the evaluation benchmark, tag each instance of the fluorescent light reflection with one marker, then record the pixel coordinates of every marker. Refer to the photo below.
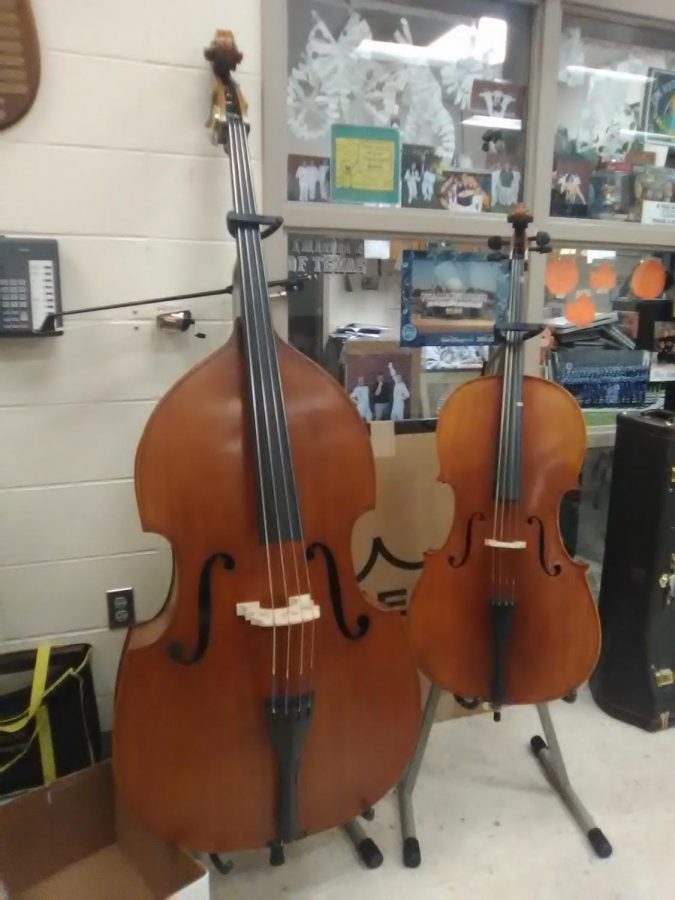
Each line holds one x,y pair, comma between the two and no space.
495,122
610,74
486,41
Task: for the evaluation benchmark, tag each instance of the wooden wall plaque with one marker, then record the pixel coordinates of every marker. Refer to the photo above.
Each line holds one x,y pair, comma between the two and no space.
19,60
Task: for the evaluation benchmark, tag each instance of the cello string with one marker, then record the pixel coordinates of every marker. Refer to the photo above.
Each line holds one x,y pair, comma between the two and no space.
279,415
514,397
257,388
504,442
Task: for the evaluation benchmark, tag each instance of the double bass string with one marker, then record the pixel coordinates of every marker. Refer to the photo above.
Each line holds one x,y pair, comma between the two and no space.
256,392
280,419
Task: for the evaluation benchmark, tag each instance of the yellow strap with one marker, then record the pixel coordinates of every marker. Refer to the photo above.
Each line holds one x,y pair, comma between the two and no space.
37,710
9,726
37,691
44,731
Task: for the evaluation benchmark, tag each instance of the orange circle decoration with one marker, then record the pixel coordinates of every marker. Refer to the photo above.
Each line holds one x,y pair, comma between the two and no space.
580,311
562,275
648,280
602,277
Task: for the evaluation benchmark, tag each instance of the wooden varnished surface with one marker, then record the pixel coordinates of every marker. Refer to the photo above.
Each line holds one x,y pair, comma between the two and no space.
555,637
191,747
19,60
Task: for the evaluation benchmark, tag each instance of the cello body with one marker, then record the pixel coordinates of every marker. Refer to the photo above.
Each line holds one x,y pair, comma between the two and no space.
192,752
554,640
501,612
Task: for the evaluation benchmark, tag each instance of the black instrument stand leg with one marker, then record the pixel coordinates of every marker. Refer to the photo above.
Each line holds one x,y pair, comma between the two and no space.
550,759
221,865
412,855
368,851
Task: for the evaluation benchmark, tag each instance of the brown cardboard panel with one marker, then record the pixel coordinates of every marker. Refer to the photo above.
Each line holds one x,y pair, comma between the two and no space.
105,875
46,830
72,841
413,514
165,869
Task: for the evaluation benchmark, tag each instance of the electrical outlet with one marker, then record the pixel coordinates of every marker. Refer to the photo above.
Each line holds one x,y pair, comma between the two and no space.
121,612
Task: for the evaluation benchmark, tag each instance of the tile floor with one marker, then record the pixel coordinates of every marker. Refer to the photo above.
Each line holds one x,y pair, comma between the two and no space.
490,827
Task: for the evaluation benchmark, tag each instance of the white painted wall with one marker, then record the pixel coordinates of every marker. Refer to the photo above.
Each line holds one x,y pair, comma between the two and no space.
113,160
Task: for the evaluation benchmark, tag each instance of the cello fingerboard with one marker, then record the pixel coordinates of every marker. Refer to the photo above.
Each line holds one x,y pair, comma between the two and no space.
19,60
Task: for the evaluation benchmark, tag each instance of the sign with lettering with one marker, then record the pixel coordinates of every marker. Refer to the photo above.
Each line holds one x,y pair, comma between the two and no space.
325,256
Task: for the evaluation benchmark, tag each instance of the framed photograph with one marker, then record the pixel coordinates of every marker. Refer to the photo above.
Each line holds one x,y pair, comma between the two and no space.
438,386
658,108
505,181
450,298
497,99
308,178
465,191
379,380
610,192
421,175
570,187
663,352
653,196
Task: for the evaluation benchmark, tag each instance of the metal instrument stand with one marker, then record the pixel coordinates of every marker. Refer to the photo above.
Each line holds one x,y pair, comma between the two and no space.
366,848
550,759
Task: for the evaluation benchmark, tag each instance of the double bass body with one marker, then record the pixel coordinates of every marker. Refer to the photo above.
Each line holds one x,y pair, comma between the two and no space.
268,699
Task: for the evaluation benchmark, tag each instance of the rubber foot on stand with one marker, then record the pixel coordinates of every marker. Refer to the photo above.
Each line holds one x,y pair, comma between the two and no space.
412,855
370,853
599,843
537,743
277,857
368,814
224,866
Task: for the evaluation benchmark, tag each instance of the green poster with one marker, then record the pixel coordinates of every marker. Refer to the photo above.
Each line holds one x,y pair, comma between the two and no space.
366,165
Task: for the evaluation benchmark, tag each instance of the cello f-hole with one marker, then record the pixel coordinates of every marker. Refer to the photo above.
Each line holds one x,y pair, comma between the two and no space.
452,559
176,649
363,622
554,568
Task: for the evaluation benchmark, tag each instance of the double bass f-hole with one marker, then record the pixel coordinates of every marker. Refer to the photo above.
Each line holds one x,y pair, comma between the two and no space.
176,649
363,622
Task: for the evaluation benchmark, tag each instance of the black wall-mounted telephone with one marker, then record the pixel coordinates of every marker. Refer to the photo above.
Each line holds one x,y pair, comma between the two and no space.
29,286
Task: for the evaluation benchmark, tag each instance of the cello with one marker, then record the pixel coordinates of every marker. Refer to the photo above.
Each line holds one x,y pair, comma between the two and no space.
501,612
269,699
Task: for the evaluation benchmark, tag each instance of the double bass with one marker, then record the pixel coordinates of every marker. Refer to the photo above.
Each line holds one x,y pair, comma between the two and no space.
501,612
269,699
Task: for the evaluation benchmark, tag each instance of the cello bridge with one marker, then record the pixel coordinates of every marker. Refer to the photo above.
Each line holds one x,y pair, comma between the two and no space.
301,608
505,545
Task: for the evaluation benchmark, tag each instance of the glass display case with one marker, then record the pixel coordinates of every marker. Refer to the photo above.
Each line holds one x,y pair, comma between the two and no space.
614,153
422,107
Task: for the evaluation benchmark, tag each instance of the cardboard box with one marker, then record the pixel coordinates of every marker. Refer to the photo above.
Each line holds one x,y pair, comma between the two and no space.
413,514
73,841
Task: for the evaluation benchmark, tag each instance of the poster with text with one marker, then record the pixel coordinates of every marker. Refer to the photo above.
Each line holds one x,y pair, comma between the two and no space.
450,298
366,164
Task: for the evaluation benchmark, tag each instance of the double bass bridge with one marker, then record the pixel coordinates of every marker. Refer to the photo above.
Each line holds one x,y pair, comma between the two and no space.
300,609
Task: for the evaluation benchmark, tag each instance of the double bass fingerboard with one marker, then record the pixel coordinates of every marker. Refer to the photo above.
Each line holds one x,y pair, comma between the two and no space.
19,60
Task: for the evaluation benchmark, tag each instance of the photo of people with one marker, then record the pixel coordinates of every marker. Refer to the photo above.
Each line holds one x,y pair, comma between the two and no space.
465,192
663,355
308,178
421,172
505,181
570,187
378,384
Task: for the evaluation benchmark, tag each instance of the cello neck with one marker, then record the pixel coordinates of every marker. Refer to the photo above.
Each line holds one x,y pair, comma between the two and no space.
509,451
277,500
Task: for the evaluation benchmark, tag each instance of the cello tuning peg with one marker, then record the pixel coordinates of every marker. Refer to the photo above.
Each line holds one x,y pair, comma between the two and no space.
495,242
542,240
